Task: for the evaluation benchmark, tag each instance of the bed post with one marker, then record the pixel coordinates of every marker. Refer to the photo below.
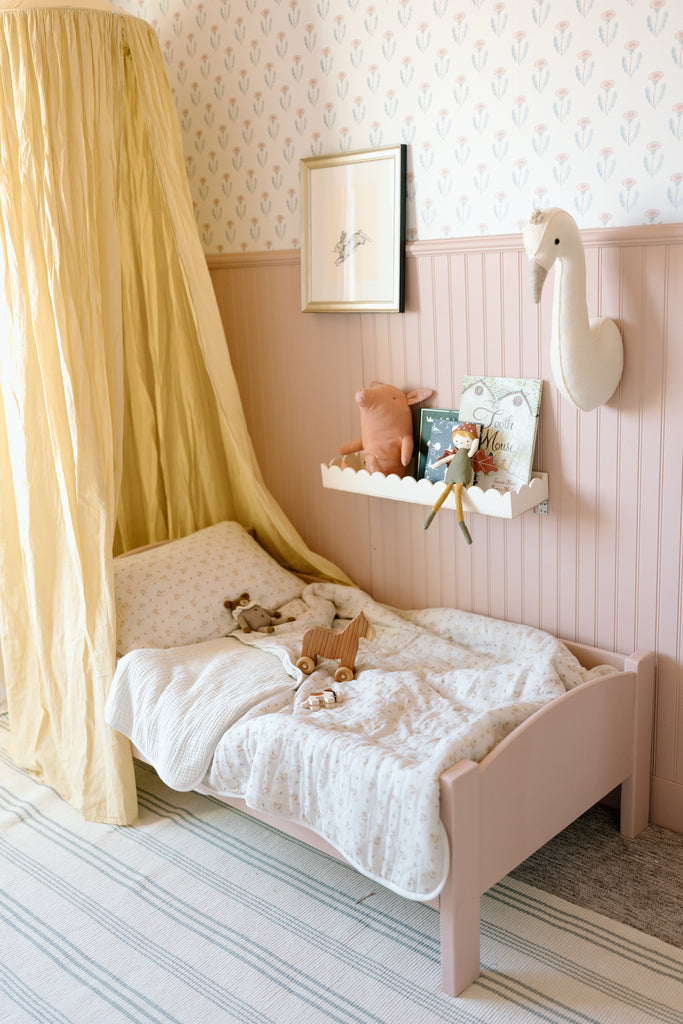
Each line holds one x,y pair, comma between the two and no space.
635,790
459,902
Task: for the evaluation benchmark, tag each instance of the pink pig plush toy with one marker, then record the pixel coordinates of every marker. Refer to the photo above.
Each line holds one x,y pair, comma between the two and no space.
386,427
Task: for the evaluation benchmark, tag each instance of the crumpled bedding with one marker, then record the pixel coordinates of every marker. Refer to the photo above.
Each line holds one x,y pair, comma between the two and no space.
435,686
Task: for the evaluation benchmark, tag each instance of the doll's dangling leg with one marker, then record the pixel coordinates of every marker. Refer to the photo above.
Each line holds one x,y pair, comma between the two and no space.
437,505
459,513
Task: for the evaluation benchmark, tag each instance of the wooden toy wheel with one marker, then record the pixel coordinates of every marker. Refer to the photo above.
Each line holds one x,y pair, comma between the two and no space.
306,665
343,674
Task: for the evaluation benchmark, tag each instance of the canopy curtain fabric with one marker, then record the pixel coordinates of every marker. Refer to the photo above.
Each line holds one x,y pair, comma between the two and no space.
120,419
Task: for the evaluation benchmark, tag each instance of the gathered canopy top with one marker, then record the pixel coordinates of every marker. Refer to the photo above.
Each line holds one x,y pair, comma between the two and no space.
89,5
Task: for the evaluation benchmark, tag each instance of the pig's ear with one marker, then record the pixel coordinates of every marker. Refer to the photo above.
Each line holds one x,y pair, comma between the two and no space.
418,395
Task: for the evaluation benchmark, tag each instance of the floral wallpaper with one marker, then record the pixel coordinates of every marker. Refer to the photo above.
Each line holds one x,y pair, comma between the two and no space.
503,106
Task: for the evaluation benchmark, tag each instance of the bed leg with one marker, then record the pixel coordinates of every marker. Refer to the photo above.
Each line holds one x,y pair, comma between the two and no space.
635,791
459,902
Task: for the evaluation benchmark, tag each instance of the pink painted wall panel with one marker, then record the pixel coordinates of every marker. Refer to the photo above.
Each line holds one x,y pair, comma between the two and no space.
605,567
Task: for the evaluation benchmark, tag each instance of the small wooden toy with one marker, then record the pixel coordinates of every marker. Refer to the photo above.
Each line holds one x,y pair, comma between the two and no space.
325,699
321,642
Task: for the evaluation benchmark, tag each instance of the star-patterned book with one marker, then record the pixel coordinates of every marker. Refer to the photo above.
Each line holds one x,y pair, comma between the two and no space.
426,418
508,409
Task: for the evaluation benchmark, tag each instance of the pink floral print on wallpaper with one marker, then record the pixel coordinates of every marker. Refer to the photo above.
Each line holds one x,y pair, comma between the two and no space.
504,106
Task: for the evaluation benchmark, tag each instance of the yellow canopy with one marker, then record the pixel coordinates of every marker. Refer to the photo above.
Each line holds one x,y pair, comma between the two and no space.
120,418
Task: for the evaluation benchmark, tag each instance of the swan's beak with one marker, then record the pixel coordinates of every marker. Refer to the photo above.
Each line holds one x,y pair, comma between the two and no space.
537,276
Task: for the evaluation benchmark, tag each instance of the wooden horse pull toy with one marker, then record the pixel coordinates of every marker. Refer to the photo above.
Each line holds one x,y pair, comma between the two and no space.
321,642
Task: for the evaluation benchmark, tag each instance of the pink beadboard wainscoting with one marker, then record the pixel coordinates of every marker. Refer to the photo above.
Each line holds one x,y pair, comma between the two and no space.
605,566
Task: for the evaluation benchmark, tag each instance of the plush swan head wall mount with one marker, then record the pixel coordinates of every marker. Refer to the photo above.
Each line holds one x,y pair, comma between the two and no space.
586,355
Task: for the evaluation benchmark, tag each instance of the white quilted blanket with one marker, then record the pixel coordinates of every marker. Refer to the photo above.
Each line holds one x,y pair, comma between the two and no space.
435,686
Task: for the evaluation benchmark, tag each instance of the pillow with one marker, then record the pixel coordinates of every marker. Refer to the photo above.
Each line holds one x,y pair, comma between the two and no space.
172,594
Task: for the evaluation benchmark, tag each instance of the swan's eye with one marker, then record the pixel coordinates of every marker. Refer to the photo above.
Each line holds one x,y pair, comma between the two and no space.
557,241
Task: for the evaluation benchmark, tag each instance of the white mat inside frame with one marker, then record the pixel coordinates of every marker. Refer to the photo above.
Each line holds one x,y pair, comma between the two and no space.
200,913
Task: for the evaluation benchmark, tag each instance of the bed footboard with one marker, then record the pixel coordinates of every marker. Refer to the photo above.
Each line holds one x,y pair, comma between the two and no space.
635,790
543,776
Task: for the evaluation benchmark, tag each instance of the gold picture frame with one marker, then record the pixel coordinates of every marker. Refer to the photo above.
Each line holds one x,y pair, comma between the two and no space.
353,231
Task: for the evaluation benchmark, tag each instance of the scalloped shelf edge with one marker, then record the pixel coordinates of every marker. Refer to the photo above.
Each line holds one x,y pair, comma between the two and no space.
424,492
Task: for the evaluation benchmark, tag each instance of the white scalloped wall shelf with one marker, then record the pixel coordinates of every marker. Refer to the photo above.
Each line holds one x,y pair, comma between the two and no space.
424,492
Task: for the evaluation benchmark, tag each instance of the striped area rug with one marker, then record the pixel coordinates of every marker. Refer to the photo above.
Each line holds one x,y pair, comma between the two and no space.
200,915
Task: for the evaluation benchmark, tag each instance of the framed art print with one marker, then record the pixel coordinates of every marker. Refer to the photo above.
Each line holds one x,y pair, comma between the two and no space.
353,231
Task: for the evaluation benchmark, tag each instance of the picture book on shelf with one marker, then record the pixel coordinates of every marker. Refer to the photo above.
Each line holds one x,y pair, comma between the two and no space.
507,409
425,421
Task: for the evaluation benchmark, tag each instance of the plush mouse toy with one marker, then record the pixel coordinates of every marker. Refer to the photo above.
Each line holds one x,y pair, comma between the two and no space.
252,617
386,427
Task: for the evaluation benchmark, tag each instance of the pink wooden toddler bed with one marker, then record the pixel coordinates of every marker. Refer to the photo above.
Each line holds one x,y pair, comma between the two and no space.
496,812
